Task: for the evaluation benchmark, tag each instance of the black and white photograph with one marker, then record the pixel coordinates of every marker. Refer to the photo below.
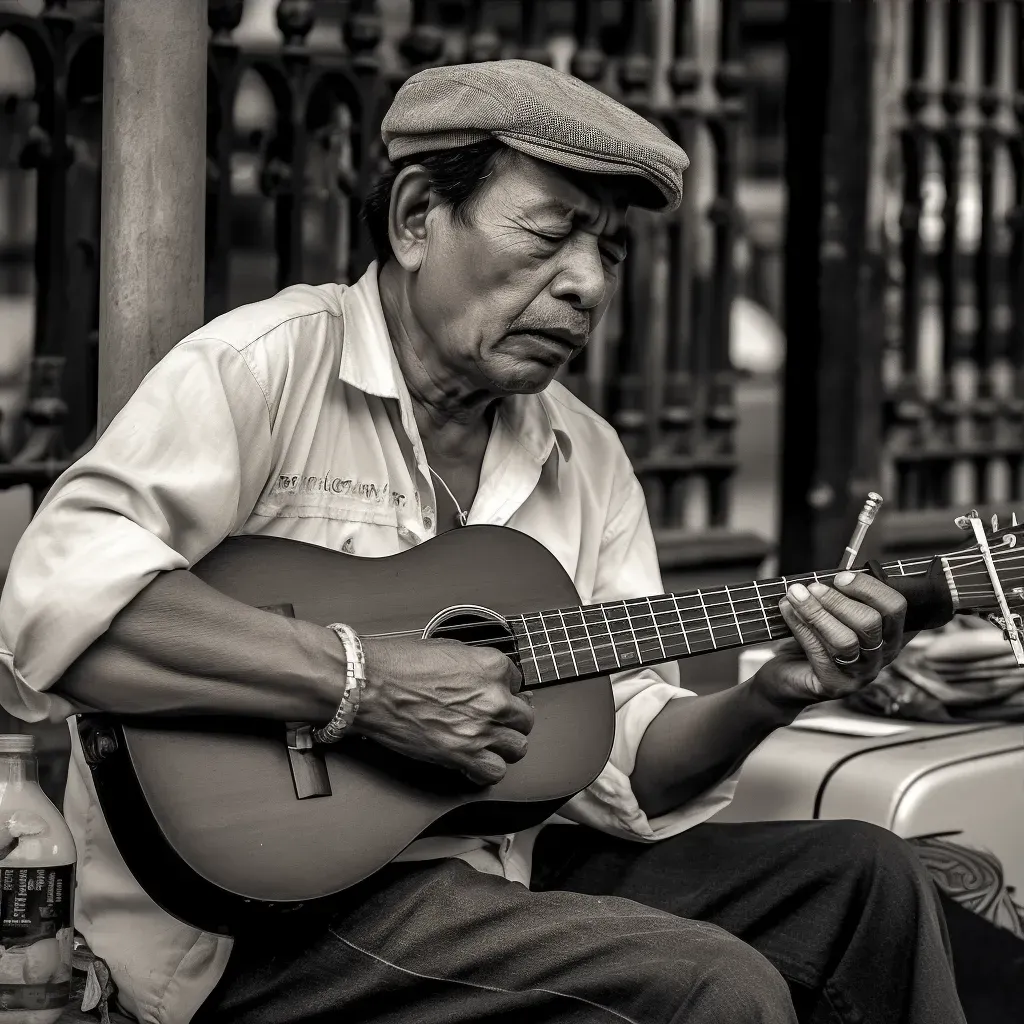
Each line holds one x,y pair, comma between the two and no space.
508,511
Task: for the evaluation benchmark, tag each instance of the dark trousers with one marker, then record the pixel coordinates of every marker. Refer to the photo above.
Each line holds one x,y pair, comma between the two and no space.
762,923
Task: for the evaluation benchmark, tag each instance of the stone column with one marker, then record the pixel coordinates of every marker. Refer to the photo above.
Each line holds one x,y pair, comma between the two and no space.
153,188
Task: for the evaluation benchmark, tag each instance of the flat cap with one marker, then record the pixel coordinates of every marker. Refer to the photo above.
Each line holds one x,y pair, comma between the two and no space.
539,111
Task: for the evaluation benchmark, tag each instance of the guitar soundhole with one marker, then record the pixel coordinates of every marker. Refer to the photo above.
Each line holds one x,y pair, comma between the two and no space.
478,627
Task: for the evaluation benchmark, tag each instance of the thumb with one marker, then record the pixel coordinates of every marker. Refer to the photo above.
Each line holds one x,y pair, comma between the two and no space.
788,645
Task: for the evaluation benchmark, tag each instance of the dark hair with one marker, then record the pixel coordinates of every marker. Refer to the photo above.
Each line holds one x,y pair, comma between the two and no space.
455,176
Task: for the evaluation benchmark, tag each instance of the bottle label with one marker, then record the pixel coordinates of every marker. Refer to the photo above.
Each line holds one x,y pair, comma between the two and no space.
36,937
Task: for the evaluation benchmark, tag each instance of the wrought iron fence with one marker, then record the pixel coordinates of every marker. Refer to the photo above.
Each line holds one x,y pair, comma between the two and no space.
292,145
954,247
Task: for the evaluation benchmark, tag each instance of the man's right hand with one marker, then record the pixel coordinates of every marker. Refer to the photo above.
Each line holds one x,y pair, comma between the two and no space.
447,703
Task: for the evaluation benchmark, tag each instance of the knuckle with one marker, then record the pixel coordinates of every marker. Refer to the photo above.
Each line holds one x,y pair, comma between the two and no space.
530,717
846,642
493,661
872,622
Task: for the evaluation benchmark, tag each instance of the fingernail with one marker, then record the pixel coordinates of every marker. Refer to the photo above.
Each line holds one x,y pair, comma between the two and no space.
799,592
844,578
818,589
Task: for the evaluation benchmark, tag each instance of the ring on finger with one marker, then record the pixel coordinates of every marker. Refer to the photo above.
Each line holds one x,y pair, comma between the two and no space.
869,650
845,661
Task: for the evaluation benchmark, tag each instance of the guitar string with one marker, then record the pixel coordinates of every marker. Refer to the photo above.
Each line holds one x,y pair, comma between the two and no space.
758,615
762,615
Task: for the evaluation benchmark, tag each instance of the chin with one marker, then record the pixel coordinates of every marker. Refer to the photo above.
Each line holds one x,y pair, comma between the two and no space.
525,383
521,376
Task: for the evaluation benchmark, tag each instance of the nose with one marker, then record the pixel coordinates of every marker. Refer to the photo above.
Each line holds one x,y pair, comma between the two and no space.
582,279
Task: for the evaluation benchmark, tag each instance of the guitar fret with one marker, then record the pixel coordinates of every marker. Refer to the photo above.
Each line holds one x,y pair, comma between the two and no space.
682,626
565,629
657,634
600,644
629,654
632,631
735,617
569,643
695,624
541,656
585,659
764,611
646,630
611,637
714,643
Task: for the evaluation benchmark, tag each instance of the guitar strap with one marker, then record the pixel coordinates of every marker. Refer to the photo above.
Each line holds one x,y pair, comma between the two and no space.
309,769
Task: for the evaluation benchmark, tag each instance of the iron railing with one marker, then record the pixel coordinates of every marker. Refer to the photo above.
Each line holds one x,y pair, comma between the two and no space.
284,186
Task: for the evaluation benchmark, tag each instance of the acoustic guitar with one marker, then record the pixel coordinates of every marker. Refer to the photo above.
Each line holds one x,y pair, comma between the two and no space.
220,819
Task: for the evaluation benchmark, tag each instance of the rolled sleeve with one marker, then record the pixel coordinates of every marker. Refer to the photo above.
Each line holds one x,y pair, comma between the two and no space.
176,471
628,568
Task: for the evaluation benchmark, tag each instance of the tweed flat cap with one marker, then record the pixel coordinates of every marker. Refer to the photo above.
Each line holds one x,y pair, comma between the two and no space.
539,111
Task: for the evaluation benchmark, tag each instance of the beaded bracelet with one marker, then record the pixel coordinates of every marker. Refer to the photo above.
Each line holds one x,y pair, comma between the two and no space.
355,683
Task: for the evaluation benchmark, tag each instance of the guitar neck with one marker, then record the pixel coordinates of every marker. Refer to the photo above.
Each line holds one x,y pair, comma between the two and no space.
574,643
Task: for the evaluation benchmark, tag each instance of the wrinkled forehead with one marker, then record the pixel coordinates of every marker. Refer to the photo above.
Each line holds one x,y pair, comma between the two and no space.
543,191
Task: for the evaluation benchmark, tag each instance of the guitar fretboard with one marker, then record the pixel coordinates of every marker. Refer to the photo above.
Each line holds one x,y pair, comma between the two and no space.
574,643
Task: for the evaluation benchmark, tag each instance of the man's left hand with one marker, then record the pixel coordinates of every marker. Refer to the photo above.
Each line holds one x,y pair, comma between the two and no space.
843,636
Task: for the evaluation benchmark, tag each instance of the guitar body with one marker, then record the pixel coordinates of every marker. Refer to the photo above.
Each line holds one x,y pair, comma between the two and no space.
205,811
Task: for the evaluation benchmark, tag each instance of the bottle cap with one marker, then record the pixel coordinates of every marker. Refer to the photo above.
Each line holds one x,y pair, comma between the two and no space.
17,743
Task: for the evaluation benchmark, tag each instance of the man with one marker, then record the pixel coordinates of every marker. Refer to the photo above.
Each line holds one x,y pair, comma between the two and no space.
425,390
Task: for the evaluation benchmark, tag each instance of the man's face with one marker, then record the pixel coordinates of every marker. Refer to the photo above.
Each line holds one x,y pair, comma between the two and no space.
512,294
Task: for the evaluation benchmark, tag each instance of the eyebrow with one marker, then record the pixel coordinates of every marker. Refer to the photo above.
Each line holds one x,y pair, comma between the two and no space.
563,209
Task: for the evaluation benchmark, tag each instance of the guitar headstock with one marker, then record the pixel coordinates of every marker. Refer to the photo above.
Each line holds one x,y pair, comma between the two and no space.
986,575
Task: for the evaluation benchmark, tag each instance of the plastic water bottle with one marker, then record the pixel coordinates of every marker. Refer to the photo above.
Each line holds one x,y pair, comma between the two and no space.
37,883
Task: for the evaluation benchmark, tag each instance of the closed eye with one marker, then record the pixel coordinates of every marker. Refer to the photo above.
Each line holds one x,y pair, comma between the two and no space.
613,255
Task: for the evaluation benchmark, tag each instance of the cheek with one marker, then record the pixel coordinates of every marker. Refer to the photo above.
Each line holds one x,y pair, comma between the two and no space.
482,289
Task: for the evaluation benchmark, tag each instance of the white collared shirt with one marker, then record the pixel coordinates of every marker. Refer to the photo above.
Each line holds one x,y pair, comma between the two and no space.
289,417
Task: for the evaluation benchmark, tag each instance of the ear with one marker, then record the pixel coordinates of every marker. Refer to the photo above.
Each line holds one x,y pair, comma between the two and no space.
411,201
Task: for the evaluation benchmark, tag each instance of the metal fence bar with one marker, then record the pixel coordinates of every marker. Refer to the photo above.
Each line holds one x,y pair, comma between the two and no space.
291,146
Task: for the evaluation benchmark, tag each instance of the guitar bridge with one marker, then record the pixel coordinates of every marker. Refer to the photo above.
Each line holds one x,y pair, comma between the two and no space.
309,769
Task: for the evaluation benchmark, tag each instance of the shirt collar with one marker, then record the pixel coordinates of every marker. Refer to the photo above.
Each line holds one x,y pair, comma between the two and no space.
371,366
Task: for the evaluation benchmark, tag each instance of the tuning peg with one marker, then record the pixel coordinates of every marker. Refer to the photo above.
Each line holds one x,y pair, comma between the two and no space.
1013,518
995,522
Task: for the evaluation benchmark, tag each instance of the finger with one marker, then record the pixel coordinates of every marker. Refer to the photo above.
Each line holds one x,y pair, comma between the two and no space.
513,676
509,745
517,712
890,603
813,649
497,666
788,645
838,638
485,768
865,621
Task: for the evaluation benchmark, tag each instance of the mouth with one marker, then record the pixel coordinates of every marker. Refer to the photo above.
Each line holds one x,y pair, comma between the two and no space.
564,339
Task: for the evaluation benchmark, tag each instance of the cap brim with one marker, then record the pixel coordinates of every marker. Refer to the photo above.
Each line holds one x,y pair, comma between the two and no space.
644,192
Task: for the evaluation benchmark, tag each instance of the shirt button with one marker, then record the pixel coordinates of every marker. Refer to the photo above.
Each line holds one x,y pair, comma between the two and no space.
427,522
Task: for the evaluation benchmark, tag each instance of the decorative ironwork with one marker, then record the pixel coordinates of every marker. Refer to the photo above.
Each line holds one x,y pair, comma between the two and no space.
954,309
288,184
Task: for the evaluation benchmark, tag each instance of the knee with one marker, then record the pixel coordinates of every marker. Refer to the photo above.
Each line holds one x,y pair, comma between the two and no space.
731,981
873,857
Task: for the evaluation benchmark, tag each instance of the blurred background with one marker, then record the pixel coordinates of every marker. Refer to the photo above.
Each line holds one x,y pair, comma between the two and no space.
830,312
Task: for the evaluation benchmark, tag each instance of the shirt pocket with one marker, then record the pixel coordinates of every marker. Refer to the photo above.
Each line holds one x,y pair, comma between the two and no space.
342,523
